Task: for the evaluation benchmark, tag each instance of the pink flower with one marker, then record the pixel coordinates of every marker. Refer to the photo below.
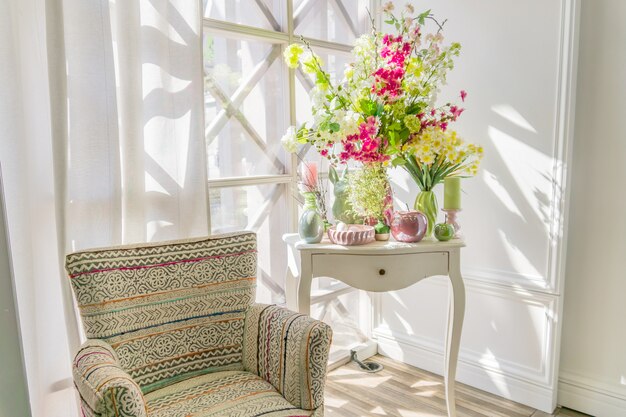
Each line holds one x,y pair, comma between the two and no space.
463,95
456,112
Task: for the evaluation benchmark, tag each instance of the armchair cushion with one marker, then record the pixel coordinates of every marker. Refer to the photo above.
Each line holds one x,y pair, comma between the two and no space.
221,394
288,350
104,387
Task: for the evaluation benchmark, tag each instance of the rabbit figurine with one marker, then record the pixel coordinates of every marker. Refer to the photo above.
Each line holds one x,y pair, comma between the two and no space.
342,209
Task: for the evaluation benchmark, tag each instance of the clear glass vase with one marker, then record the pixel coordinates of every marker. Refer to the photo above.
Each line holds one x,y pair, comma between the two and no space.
426,202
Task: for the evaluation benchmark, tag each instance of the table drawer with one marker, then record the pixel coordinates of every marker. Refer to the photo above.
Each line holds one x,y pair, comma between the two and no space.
380,272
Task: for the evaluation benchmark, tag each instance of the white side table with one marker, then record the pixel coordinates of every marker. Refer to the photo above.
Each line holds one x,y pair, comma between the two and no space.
380,267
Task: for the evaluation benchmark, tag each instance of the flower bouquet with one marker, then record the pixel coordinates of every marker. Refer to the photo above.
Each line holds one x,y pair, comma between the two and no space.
384,109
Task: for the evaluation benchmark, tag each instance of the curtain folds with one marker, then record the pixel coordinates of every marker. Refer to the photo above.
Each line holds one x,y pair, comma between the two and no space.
136,167
102,143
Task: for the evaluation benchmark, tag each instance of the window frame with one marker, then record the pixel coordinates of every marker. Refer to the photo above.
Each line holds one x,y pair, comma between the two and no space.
282,38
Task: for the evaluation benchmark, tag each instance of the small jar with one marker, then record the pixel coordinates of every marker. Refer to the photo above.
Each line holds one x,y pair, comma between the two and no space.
409,226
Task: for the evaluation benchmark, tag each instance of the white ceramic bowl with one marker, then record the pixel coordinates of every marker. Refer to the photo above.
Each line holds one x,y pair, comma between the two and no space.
356,234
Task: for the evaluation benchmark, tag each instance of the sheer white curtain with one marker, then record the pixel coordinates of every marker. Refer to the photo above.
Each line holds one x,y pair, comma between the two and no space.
135,168
101,143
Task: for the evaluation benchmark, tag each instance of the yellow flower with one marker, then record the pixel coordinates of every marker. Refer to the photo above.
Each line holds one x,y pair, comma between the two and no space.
437,144
292,55
427,159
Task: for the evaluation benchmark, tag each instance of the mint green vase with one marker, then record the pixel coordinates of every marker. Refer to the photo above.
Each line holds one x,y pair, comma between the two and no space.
311,225
426,202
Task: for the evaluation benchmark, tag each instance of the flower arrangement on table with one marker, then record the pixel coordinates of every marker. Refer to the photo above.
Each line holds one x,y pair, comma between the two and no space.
383,112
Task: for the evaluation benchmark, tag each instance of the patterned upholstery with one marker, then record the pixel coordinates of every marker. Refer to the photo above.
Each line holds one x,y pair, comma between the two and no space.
166,327
278,343
232,393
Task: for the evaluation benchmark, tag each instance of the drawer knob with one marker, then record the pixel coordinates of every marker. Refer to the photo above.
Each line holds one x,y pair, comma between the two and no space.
381,272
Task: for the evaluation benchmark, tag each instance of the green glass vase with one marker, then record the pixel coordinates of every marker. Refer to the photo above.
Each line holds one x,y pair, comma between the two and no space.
311,225
426,202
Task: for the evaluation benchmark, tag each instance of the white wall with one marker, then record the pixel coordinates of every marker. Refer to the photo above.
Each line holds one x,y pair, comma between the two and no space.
593,355
516,66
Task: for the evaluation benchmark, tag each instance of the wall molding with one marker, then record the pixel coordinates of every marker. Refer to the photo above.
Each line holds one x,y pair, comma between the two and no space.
537,388
591,396
470,373
503,278
537,375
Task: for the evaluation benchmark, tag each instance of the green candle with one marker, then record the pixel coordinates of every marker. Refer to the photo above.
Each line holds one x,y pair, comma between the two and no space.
452,193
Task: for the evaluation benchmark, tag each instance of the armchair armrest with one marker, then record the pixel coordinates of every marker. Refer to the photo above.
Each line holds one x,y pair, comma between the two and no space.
290,351
105,389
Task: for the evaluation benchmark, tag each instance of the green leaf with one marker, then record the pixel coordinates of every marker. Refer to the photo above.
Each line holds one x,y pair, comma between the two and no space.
379,110
422,17
404,134
368,107
414,108
334,127
398,161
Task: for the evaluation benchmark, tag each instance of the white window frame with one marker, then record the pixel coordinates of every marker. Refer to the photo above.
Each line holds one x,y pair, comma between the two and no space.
238,31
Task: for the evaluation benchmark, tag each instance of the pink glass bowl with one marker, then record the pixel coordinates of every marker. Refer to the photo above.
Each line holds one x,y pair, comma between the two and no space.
356,234
409,226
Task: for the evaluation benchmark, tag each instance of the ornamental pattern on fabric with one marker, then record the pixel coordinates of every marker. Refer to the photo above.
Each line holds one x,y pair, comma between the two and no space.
233,394
169,310
173,331
279,343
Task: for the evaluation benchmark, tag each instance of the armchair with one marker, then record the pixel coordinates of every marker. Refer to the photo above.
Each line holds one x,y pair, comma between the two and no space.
173,331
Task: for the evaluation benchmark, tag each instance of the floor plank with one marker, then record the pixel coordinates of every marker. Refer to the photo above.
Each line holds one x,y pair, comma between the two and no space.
401,390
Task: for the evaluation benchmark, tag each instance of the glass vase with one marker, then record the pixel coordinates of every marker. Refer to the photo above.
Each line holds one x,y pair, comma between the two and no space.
426,202
311,225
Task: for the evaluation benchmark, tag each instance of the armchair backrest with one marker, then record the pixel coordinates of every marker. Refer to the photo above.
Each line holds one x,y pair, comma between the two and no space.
170,310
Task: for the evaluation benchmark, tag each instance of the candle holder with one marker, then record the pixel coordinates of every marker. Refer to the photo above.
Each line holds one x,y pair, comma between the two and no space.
451,218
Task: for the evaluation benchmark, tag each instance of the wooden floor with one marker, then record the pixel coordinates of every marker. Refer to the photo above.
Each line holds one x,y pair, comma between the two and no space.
401,390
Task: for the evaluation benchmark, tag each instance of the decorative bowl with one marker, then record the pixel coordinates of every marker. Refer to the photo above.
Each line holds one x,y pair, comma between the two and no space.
355,234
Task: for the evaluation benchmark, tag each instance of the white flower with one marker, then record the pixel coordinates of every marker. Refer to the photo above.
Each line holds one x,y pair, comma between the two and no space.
388,7
350,123
289,140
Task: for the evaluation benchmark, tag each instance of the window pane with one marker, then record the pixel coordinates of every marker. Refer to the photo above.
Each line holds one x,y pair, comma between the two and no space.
266,14
246,104
338,21
262,209
334,64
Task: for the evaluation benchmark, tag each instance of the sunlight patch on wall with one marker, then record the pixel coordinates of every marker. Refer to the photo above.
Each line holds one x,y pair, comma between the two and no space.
491,180
531,170
489,360
519,261
513,116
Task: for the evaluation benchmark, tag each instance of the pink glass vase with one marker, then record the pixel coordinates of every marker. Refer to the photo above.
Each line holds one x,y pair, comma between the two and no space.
409,226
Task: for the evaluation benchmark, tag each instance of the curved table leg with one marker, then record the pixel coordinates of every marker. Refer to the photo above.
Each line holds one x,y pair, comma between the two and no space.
456,313
304,285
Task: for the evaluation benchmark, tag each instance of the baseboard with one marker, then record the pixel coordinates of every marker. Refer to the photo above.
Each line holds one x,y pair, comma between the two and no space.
471,373
590,396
